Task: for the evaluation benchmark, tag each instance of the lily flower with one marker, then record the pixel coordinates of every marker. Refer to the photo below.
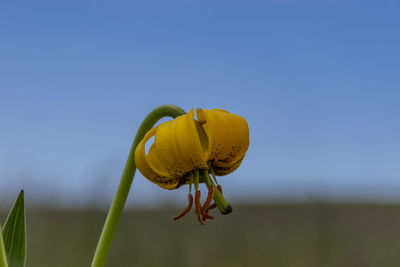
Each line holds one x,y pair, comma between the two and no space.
187,150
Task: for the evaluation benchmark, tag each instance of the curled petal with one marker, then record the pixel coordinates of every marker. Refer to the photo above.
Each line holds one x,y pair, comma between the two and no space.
152,169
180,146
228,138
224,170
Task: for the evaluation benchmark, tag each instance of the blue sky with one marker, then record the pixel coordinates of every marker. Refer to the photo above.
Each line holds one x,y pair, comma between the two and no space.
318,82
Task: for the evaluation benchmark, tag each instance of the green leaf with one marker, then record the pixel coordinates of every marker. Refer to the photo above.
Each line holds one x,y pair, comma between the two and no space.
14,234
3,257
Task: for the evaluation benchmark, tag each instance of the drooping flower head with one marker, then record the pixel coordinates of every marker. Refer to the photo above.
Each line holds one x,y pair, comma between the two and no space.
186,151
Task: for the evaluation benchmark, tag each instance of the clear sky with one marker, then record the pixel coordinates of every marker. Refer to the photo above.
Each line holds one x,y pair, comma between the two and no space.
317,81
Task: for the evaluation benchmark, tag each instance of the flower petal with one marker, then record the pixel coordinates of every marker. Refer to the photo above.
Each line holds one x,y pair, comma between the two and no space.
221,171
178,143
150,167
228,138
180,146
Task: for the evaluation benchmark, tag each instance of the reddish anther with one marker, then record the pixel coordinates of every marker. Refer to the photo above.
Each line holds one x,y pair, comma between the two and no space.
208,200
207,216
198,207
187,209
213,206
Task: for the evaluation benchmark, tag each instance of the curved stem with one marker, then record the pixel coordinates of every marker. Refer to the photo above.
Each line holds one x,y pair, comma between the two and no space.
121,195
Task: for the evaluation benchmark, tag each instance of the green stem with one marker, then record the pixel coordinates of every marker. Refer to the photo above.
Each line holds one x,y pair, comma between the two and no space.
222,204
121,195
3,255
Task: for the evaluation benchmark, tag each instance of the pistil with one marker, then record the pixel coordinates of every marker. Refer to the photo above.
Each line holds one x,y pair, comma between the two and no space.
222,204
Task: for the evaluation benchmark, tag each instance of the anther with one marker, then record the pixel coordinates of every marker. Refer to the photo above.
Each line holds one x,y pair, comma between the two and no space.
208,200
213,206
207,216
198,207
187,209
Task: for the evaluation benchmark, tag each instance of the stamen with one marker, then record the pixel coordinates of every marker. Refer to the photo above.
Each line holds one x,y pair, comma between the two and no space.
190,182
198,207
187,209
214,176
219,199
213,206
207,216
196,179
209,199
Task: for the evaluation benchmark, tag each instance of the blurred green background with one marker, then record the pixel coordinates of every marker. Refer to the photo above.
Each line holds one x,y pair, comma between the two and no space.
298,235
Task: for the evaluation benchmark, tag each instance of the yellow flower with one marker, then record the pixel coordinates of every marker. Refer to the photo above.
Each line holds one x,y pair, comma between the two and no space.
216,142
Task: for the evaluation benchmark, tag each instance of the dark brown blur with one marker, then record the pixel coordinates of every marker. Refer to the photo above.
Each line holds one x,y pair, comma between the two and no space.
298,235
